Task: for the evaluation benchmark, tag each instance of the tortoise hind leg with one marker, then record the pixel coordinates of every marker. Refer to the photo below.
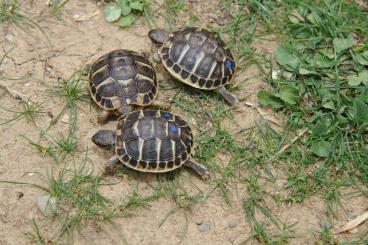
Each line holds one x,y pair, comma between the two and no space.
125,108
198,168
111,163
229,97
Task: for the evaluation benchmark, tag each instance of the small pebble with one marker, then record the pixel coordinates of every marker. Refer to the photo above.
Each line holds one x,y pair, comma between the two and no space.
351,215
325,224
232,224
65,118
275,74
20,194
50,114
204,226
76,16
220,21
199,222
212,16
9,37
46,204
354,230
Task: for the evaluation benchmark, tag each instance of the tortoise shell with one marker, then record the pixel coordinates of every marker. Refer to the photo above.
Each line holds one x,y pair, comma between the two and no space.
198,58
122,77
153,140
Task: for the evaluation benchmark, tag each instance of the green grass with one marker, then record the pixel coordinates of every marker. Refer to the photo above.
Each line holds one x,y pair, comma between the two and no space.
323,64
73,91
30,111
78,198
56,147
171,8
135,200
57,5
10,13
37,237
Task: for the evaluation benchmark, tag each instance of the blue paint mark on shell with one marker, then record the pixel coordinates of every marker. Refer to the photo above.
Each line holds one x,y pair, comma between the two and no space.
173,128
229,64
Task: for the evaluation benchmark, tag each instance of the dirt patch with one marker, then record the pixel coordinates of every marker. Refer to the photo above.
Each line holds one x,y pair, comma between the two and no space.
38,63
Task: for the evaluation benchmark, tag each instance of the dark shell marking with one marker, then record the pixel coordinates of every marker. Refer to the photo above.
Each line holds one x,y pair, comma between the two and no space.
122,77
153,140
198,58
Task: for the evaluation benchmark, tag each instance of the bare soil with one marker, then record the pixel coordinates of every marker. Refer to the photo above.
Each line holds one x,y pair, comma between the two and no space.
38,63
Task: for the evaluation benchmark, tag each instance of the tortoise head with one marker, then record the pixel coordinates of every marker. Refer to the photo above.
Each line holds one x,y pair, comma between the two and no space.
158,36
104,138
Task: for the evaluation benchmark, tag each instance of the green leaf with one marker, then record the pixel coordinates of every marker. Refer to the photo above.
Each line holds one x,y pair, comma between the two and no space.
361,59
126,20
328,105
304,71
293,19
353,80
314,18
362,77
360,111
319,129
321,61
289,94
287,56
321,148
341,44
365,54
266,98
112,12
137,5
125,8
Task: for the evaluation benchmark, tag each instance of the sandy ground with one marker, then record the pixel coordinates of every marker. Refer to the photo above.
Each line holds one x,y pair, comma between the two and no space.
74,44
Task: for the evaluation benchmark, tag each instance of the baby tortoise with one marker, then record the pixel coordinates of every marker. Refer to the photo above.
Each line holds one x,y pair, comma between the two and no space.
150,140
121,79
196,57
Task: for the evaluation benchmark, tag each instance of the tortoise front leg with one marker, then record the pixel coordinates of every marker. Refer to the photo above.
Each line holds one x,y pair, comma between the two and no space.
103,116
111,164
200,169
156,57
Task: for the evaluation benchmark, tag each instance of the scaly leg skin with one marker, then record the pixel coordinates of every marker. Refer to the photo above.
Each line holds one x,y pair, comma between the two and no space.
200,169
124,109
111,164
103,116
156,57
229,97
158,104
145,53
85,70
